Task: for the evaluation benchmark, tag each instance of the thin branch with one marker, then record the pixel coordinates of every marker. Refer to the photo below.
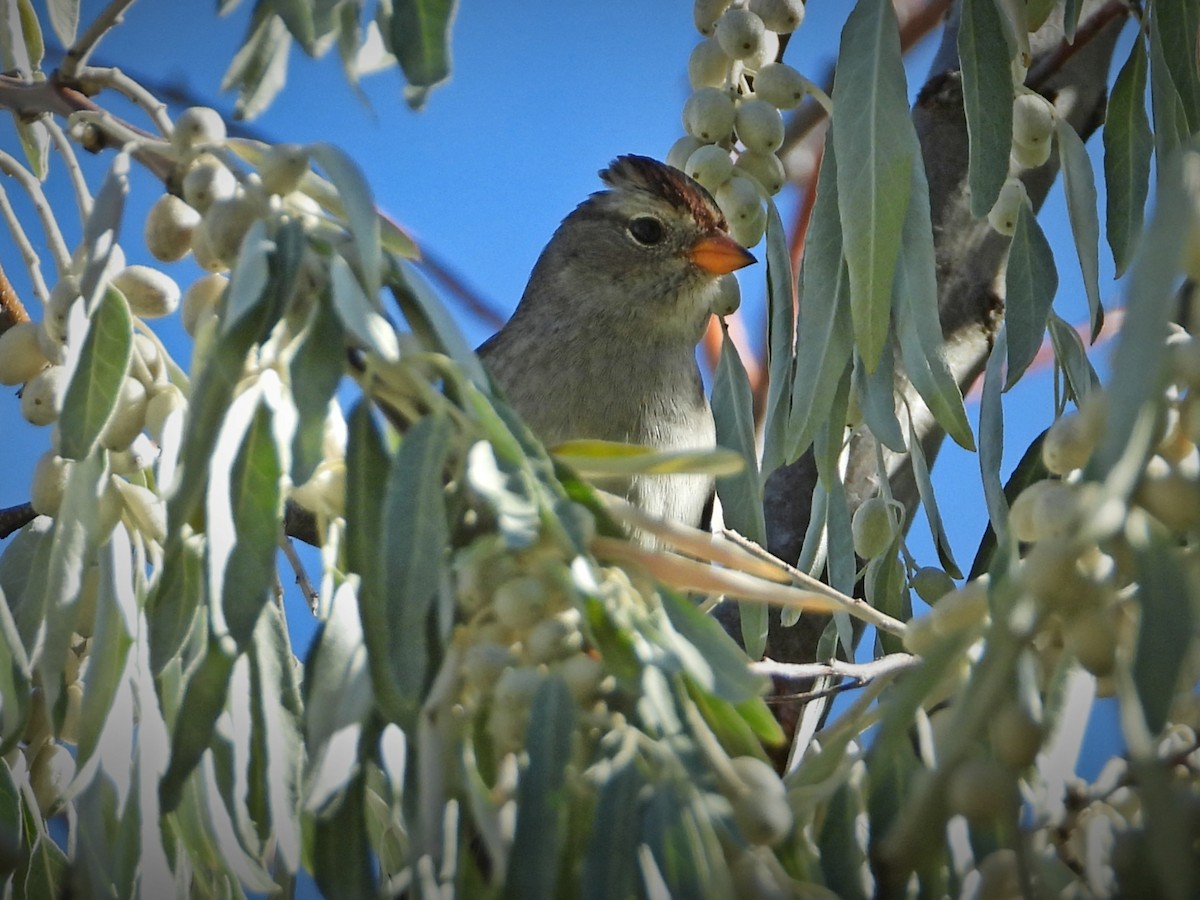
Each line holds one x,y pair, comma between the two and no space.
41,206
1050,64
28,255
310,593
112,77
83,196
15,518
862,673
111,16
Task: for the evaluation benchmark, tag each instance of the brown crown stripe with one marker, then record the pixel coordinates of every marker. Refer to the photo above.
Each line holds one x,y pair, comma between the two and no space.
649,175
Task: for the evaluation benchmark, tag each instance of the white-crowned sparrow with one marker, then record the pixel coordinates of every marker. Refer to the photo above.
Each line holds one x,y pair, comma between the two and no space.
603,342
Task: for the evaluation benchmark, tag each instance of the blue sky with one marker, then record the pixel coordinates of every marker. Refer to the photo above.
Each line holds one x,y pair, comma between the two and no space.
542,95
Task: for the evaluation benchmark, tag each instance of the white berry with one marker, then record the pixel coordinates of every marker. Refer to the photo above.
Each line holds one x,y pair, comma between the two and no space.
1004,212
728,297
708,114
128,416
766,53
150,293
41,399
780,85
740,32
765,168
225,225
706,12
759,125
198,125
169,227
781,16
21,355
207,181
201,299
711,166
49,483
283,168
1033,120
707,65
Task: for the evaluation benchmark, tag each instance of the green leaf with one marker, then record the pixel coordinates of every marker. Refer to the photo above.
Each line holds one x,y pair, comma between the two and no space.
708,654
420,39
928,500
298,16
874,165
741,494
542,797
14,681
313,375
918,326
607,870
337,685
342,862
1177,22
35,43
64,19
172,608
1030,284
361,215
416,534
366,472
1128,144
987,100
259,69
605,459
1072,357
503,485
991,435
357,312
427,317
843,858
203,701
1170,117
1080,188
47,872
877,399
1165,630
824,333
250,277
112,636
91,396
781,340
1138,361
245,507
101,229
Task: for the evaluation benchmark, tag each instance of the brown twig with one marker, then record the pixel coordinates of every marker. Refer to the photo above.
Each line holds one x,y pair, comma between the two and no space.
15,518
1050,63
12,310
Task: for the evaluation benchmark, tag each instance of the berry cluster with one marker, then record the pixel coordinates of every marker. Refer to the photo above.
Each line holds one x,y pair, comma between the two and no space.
1032,138
738,91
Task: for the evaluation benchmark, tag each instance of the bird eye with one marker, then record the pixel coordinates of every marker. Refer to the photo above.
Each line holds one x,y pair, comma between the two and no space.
646,230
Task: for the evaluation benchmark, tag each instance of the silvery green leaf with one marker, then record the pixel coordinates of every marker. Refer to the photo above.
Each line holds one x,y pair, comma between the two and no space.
1030,282
1128,144
358,313
542,796
875,160
937,531
427,316
259,69
1072,357
95,384
361,214
342,862
1165,632
1080,187
991,434
1177,22
781,340
1170,117
607,874
249,279
64,19
987,100
420,39
337,685
877,399
741,494
14,679
102,227
313,375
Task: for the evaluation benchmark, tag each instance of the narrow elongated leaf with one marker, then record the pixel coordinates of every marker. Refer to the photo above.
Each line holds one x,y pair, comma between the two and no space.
1080,185
991,434
1177,23
607,874
102,227
337,685
358,313
929,501
343,864
843,857
314,373
1170,117
723,672
741,494
259,69
1127,148
174,605
598,459
1030,282
298,16
877,400
1072,357
918,327
781,341
420,39
427,317
987,100
91,396
1164,632
824,333
203,701
244,512
414,528
1138,361
874,162
14,679
46,872
541,795
64,19
249,279
361,215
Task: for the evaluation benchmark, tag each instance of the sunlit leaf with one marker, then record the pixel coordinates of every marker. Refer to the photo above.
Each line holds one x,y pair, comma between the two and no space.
337,685
506,489
64,19
361,215
259,69
91,396
987,100
250,276
358,314
1127,148
1030,282
313,376
428,318
102,227
420,39
599,459
47,870
874,165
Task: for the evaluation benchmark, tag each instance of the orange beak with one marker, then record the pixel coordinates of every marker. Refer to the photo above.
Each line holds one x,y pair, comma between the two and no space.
719,254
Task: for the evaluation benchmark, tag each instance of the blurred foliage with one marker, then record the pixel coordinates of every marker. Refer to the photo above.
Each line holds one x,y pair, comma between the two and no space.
507,697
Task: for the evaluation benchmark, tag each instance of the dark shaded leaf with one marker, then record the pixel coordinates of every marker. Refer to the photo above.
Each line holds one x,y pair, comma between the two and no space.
781,340
1031,282
1165,631
1128,144
420,39
987,100
91,396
